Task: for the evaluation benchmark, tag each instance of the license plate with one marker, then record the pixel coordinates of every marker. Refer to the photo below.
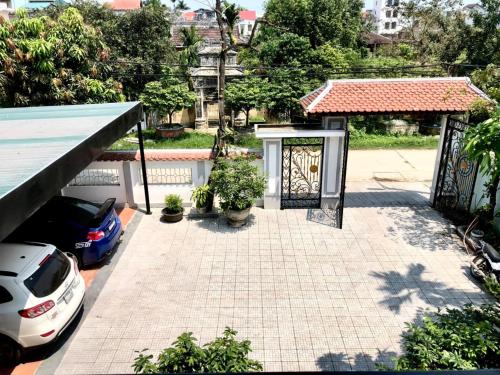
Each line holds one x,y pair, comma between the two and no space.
68,296
113,223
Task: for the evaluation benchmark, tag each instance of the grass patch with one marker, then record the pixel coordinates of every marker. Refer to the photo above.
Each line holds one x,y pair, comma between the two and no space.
192,139
248,141
376,141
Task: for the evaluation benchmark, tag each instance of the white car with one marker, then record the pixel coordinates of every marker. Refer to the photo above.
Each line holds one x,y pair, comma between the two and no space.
41,292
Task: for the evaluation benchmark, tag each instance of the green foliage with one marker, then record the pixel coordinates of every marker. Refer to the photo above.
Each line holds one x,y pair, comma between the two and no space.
362,141
137,40
480,110
492,285
436,29
488,80
173,203
483,37
53,61
482,144
224,354
246,94
189,139
167,95
321,21
237,183
455,340
200,195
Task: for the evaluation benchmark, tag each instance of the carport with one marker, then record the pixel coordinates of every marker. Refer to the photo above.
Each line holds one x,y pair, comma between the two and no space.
43,148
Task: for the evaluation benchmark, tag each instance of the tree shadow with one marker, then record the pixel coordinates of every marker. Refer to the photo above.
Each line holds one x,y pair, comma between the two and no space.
404,288
357,362
421,227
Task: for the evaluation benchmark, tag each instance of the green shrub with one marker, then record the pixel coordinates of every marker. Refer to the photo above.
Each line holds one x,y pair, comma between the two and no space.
200,195
493,286
467,338
173,204
237,183
224,354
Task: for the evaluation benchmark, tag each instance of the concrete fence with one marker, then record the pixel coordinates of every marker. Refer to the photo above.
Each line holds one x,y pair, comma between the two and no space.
118,175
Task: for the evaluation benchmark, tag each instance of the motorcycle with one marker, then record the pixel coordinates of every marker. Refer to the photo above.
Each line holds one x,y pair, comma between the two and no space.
486,263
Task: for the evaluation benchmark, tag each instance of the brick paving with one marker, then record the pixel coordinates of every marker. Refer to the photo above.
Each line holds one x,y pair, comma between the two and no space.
308,296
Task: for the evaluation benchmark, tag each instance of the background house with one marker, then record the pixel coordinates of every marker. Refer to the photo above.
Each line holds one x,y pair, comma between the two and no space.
388,16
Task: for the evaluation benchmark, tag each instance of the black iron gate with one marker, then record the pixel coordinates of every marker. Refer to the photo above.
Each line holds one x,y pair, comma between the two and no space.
342,184
302,169
456,174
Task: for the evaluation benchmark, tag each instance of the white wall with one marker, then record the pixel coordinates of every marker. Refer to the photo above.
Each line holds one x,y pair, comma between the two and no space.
131,190
479,198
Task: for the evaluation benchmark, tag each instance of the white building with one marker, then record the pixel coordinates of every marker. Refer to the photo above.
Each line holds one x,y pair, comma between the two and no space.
388,16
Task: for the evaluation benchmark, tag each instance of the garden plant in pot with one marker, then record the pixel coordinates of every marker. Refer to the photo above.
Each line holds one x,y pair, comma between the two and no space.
200,198
173,211
165,97
238,184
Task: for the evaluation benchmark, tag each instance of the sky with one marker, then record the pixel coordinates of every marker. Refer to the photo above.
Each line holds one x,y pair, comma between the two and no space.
258,5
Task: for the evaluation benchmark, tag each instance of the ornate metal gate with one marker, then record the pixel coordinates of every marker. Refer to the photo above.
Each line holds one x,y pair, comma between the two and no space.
302,168
456,174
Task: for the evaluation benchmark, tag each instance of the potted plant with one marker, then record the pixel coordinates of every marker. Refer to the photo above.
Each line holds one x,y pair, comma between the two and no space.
238,184
200,198
173,211
165,97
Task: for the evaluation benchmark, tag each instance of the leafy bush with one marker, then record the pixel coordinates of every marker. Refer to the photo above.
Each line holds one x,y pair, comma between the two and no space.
200,195
173,204
456,339
238,183
492,285
224,354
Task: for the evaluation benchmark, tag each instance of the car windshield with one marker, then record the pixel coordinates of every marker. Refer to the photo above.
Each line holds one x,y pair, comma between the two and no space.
51,274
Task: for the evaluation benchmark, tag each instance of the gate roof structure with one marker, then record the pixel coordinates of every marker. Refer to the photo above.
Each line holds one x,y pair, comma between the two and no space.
43,148
394,95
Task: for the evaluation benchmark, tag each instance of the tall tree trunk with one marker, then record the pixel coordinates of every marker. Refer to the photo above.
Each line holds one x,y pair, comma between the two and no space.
170,118
222,79
247,121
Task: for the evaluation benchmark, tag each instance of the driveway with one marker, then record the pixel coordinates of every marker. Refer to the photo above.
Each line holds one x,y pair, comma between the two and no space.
307,295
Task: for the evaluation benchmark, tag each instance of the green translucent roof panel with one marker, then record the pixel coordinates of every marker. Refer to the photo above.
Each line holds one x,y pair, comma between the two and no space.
32,140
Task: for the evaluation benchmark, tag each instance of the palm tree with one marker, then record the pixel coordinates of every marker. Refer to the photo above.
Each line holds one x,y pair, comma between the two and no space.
188,57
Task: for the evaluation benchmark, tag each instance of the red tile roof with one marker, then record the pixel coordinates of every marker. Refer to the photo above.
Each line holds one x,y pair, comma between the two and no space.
402,95
167,155
125,4
248,15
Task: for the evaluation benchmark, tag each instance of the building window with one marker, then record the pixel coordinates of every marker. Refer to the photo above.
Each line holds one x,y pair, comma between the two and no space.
395,14
396,3
389,3
387,25
388,14
249,28
393,25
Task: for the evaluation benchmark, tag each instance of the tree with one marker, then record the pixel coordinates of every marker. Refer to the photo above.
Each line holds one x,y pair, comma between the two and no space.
436,29
246,94
188,57
53,61
482,144
488,80
138,40
483,38
322,21
167,96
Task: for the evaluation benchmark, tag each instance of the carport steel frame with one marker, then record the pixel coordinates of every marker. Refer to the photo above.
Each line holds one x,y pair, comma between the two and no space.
21,202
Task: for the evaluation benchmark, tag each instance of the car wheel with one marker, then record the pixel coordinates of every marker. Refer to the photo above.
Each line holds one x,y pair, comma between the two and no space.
10,351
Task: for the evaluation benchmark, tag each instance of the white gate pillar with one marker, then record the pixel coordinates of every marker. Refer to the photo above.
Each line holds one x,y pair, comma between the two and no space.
272,169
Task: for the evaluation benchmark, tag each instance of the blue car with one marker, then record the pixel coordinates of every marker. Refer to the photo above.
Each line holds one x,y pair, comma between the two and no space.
88,230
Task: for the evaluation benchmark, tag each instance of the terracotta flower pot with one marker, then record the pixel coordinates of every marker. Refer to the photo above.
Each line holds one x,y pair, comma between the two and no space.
171,218
237,218
169,131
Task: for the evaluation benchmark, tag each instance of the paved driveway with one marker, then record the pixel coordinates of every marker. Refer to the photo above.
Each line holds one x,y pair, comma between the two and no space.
308,296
